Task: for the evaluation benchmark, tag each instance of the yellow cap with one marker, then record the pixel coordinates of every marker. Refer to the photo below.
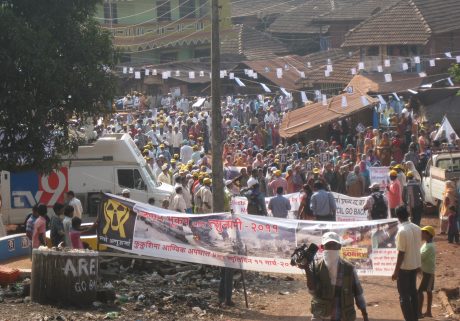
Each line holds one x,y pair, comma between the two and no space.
399,166
429,229
173,161
207,181
316,170
278,172
393,173
162,145
410,174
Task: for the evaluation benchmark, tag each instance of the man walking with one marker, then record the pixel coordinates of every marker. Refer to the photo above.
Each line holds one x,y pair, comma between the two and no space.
279,205
376,203
413,198
408,243
322,203
75,203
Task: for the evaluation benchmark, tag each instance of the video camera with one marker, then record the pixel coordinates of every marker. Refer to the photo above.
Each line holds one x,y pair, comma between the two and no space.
303,255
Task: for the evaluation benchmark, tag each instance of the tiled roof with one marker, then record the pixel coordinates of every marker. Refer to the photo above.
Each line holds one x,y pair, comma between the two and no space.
401,82
291,66
358,11
441,16
252,44
261,8
341,62
313,115
299,20
409,22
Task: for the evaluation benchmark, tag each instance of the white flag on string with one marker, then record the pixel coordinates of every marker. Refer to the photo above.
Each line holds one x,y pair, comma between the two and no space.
432,62
231,75
304,97
279,73
177,73
387,63
137,75
353,71
364,101
446,131
239,82
344,101
379,68
388,78
201,73
329,68
302,74
125,70
254,75
191,74
164,75
221,74
324,98
265,87
450,81
361,65
417,59
154,72
327,73
285,92
422,74
448,55
457,58
405,66
309,64
131,70
147,72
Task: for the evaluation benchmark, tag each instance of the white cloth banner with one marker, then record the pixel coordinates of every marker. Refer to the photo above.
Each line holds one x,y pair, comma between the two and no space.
348,208
446,131
248,242
379,175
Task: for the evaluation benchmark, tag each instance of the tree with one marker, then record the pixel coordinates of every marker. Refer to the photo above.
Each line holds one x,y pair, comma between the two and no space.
55,63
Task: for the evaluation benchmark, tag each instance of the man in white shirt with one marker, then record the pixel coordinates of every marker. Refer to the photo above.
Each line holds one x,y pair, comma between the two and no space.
176,139
186,152
408,243
75,203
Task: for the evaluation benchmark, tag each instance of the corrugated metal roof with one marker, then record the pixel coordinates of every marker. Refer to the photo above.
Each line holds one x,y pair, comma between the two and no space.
313,115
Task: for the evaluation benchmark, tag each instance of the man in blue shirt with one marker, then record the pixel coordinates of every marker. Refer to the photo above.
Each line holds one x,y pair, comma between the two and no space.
279,205
322,203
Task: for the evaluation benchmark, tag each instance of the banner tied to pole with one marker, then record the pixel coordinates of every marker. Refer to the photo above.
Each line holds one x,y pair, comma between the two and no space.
255,243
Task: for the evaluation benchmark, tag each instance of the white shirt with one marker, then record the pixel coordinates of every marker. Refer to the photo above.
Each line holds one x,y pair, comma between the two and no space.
178,203
78,209
176,138
186,152
409,241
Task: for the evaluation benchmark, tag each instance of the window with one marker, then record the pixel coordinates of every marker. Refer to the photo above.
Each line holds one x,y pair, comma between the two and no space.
131,178
449,164
373,51
163,10
110,13
187,8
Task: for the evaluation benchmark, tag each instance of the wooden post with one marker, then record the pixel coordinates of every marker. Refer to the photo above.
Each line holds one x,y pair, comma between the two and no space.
66,277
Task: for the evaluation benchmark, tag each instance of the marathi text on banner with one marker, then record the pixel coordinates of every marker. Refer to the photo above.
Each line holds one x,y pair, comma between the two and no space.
247,242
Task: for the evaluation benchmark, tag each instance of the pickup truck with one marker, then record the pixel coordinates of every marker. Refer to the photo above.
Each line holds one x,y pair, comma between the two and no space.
111,164
440,168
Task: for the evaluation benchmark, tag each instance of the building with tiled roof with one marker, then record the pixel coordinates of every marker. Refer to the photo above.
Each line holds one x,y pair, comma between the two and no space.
408,29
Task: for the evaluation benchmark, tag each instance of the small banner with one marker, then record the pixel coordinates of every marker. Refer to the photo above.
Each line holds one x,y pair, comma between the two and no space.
255,243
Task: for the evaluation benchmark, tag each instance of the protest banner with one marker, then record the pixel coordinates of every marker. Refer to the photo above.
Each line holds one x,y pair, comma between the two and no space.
379,175
246,242
348,208
239,204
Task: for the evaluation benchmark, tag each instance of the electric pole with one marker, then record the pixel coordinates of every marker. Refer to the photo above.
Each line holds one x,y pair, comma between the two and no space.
216,116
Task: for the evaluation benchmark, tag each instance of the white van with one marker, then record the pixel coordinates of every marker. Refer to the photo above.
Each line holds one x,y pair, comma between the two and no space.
111,164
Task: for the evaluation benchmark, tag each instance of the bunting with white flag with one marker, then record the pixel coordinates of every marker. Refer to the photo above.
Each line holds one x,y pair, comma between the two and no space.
239,82
265,87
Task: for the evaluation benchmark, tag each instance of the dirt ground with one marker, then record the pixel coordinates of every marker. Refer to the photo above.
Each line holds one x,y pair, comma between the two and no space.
273,297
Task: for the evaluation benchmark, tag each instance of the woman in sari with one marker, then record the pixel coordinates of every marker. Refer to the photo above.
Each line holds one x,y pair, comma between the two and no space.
396,149
450,198
384,151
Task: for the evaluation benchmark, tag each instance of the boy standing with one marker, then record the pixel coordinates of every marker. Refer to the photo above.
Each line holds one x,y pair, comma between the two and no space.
428,254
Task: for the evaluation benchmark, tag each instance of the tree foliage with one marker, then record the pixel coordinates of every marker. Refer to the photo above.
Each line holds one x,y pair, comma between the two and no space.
55,63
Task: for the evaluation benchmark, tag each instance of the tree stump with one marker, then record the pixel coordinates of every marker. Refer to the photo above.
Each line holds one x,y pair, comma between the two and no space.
67,277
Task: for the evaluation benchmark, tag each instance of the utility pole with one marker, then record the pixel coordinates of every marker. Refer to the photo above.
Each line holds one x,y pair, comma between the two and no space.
216,117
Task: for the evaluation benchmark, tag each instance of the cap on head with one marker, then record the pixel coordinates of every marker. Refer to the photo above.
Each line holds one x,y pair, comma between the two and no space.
330,237
375,186
207,181
430,229
393,173
125,191
410,174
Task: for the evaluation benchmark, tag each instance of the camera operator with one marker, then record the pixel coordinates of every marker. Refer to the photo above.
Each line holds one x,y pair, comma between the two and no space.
334,284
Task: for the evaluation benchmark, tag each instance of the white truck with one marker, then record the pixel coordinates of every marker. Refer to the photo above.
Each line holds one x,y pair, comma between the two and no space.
440,168
111,164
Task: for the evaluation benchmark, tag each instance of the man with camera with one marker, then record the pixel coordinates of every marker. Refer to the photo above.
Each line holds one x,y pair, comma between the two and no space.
332,282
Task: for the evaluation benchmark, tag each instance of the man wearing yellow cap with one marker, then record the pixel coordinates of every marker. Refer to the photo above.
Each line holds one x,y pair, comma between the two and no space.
413,197
277,181
394,193
163,151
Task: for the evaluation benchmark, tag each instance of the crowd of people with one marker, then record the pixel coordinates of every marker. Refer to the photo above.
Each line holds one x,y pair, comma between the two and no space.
174,134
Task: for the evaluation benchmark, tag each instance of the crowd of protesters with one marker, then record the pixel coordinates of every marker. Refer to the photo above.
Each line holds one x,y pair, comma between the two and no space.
174,135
